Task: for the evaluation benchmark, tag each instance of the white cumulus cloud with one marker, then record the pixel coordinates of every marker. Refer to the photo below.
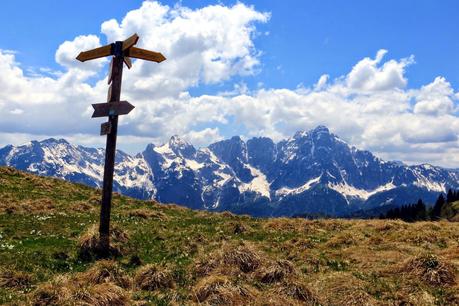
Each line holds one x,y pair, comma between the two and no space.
370,76
435,98
371,106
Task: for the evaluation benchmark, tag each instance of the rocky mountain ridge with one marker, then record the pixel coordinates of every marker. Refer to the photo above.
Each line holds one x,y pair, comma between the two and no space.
311,173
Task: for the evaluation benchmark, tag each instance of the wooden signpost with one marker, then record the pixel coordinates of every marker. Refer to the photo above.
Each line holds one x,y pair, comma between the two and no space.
121,51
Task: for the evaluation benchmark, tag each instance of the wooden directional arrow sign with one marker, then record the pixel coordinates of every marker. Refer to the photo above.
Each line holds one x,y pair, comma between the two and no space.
144,54
95,53
127,61
112,109
129,42
121,53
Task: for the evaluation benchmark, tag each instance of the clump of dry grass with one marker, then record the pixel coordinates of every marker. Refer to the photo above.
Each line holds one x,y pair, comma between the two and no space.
82,206
106,271
145,213
171,206
298,291
431,270
94,199
244,257
239,228
276,272
151,277
227,214
49,294
10,171
219,290
283,285
419,236
106,294
389,225
340,288
67,291
34,206
205,266
14,279
118,235
282,224
89,242
231,259
302,244
340,240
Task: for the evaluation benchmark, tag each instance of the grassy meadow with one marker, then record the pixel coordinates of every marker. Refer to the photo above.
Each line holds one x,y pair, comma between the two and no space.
169,255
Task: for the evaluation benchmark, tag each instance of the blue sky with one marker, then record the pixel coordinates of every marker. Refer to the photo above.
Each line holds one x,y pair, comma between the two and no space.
382,75
306,38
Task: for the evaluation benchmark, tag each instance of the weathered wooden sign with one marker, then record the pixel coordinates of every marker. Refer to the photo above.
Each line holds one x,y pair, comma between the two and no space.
105,128
145,54
112,109
95,53
121,51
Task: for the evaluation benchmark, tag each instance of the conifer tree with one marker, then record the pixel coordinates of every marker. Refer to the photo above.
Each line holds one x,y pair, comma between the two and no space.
450,196
420,211
436,211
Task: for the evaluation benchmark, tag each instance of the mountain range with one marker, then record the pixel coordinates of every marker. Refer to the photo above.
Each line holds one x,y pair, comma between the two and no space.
311,173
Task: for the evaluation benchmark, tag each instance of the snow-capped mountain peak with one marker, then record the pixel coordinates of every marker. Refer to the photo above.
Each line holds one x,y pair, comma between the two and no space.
312,172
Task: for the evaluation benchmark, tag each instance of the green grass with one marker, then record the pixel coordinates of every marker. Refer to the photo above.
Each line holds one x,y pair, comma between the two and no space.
41,220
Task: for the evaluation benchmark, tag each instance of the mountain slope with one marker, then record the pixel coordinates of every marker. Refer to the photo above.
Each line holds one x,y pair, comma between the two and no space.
313,172
202,258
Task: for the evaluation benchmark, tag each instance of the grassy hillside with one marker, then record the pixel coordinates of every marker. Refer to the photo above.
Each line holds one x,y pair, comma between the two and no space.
172,255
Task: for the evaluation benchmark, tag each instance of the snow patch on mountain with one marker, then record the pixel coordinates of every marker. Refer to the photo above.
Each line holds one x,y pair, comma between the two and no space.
258,184
224,178
350,191
234,174
68,160
134,172
193,165
11,154
431,185
167,154
306,186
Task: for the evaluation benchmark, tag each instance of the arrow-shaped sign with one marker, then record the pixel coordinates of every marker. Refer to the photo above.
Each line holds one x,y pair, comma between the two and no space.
112,109
144,54
95,53
129,42
127,61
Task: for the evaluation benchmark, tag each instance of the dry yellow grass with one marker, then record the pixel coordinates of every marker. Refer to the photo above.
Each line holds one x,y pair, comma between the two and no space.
88,243
219,290
276,272
176,256
106,271
10,278
35,206
431,269
151,277
67,291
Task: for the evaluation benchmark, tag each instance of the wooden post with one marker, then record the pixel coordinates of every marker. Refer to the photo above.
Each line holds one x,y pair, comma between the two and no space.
121,51
110,149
